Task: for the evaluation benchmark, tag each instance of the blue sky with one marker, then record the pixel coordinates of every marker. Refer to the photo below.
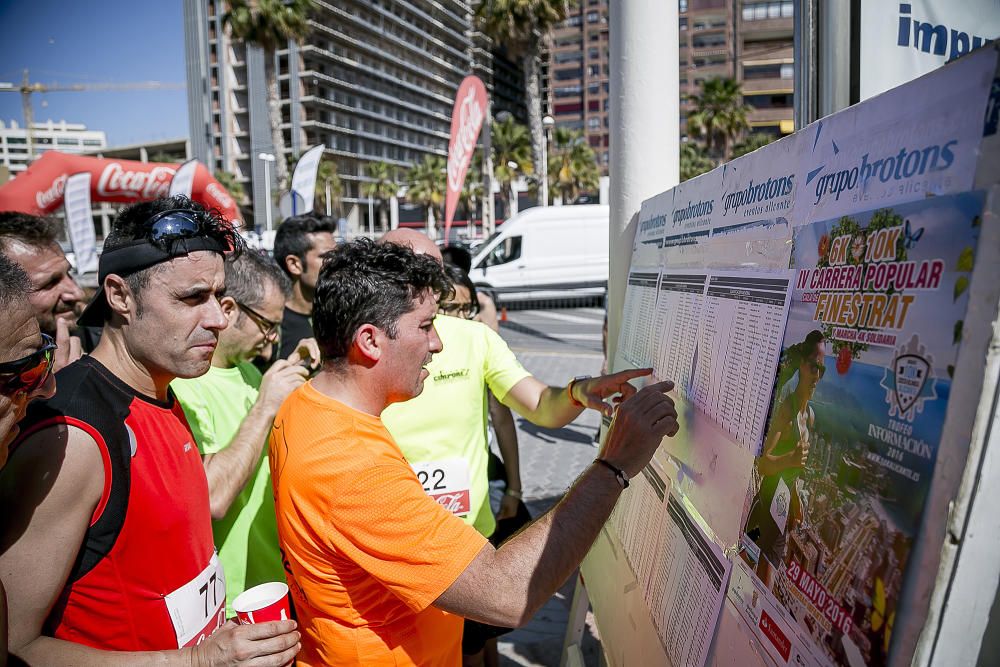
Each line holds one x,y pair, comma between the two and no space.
100,41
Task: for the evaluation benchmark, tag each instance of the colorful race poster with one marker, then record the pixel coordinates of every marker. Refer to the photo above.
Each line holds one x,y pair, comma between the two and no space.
838,492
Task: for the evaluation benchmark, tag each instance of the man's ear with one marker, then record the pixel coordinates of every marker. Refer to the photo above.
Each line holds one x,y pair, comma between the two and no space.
367,342
120,298
229,309
294,265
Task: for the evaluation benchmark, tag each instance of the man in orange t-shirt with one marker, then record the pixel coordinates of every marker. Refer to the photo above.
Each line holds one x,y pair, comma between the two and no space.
379,572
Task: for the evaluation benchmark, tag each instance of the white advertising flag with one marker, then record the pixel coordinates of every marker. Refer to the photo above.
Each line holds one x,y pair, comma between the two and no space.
183,179
903,40
79,222
304,179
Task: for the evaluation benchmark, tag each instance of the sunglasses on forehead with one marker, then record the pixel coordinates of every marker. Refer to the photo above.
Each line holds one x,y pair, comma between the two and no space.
177,223
27,374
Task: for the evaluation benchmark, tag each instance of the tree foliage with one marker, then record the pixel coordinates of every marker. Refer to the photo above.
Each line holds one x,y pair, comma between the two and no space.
752,142
511,155
428,187
694,160
520,26
572,165
719,115
382,188
270,24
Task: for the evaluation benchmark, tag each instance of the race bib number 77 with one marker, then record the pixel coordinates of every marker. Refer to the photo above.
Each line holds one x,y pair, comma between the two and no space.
447,482
198,608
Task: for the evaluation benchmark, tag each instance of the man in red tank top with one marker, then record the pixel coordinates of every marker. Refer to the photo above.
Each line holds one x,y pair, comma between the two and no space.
107,533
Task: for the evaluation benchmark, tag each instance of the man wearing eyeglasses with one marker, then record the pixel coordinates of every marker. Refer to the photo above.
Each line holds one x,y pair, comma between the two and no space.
230,409
109,556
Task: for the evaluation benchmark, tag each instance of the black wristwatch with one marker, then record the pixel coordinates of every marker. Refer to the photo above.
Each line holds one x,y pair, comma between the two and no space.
620,475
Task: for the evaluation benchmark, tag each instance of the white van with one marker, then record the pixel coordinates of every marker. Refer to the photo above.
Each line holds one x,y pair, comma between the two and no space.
545,253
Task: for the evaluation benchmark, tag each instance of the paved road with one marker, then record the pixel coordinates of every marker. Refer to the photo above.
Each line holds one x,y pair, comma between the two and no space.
555,345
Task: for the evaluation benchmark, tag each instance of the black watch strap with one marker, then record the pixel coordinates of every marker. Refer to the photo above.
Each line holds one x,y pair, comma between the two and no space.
619,473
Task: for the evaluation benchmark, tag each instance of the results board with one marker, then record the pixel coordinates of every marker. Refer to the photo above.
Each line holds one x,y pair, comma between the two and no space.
808,301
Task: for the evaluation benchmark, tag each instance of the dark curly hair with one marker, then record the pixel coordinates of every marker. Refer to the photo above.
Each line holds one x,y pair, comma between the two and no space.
363,282
132,224
292,237
33,230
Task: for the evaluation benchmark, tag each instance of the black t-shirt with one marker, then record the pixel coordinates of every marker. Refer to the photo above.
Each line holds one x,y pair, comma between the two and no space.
294,327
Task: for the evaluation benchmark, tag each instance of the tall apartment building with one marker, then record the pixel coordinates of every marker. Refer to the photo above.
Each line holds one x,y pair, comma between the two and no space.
375,80
575,75
749,40
50,135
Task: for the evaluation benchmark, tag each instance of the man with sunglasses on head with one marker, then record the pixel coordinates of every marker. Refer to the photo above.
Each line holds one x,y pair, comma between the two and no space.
33,242
230,409
108,554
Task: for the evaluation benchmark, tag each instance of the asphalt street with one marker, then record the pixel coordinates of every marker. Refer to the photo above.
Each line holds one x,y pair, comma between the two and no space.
555,345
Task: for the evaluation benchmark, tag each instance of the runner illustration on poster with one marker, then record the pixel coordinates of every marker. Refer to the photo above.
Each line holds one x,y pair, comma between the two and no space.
836,500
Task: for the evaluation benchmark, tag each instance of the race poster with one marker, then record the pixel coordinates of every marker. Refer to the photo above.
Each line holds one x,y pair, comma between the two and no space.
837,494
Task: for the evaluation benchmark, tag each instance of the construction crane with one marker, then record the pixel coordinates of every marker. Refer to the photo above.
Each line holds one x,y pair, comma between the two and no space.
27,88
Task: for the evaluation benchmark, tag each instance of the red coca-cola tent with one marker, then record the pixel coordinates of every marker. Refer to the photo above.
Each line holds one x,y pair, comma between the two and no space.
39,190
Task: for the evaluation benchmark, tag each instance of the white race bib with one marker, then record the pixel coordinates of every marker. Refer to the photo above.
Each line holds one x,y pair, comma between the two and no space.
447,482
198,608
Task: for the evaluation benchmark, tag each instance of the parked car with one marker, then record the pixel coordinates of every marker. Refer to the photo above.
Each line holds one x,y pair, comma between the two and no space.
546,253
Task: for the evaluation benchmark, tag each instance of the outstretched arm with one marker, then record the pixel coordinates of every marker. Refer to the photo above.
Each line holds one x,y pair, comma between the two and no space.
553,407
507,586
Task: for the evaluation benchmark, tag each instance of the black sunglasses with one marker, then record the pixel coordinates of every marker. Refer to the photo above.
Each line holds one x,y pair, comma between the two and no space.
267,327
177,223
27,374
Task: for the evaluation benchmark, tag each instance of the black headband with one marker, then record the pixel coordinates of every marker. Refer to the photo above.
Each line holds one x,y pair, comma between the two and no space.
143,254
137,256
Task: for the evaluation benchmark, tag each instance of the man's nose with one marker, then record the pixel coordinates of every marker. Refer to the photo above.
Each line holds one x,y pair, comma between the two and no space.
72,292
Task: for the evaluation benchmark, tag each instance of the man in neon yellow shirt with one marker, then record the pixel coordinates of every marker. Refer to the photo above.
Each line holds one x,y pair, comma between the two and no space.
230,410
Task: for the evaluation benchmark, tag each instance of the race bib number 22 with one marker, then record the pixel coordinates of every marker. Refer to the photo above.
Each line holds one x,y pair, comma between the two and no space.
447,482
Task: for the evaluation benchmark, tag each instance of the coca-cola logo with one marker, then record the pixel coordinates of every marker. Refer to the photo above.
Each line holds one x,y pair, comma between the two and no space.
470,120
220,195
52,194
115,181
456,503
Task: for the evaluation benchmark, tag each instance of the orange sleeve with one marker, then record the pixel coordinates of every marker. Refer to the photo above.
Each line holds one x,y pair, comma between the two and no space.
388,526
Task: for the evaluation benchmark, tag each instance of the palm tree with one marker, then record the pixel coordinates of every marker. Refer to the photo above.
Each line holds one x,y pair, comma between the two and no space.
381,188
327,175
719,115
511,158
572,165
270,24
521,26
472,187
694,160
428,186
752,142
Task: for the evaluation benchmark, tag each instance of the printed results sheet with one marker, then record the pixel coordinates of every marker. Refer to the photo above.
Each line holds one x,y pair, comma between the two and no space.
682,572
718,337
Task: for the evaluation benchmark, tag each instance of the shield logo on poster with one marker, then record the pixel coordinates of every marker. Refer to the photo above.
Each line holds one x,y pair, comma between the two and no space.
909,383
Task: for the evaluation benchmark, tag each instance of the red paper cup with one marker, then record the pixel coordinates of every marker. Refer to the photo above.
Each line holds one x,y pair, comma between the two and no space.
263,603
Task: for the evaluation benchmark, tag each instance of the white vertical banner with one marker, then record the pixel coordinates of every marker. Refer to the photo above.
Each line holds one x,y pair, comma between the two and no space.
80,222
304,179
903,40
183,179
